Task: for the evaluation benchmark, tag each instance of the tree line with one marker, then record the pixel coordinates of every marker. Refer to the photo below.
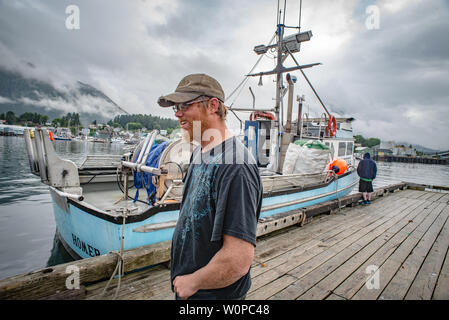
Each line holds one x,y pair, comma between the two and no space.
131,122
27,117
139,121
69,120
370,142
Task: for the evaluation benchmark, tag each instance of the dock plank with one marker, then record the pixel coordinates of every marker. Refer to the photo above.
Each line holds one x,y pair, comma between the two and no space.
444,198
388,269
394,262
331,258
402,280
271,288
334,296
358,253
273,246
360,276
423,286
320,237
441,291
130,284
436,197
426,195
285,263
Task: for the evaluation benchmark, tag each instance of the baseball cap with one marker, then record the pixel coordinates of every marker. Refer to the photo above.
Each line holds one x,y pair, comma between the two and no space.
191,87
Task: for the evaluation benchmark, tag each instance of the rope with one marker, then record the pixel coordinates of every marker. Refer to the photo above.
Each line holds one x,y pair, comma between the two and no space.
336,193
303,220
119,266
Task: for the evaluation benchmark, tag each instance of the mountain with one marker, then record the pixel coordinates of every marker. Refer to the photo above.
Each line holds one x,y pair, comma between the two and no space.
21,94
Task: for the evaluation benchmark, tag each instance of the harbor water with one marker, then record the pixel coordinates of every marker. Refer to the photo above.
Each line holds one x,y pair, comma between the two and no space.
27,228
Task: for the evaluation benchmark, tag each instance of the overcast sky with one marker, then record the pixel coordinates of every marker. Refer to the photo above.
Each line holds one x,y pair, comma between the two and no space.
393,79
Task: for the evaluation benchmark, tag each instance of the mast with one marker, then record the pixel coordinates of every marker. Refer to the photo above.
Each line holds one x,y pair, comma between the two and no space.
279,87
285,46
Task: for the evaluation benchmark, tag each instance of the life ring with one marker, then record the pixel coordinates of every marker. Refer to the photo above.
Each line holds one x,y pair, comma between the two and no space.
261,114
339,166
331,128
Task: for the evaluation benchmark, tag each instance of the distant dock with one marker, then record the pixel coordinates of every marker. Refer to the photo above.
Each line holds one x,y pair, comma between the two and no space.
396,248
410,159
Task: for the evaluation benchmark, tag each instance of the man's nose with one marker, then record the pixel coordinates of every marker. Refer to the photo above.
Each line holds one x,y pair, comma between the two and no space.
178,113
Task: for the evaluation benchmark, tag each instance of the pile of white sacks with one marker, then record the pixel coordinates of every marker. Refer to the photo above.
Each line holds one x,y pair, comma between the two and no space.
306,157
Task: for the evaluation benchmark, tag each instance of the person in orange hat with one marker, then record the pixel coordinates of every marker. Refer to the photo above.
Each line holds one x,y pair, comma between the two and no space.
214,239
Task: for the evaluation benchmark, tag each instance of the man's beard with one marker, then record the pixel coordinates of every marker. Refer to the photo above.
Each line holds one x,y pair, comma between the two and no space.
196,131
196,128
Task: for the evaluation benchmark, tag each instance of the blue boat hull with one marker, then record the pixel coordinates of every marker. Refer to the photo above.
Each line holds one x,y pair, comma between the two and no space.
63,139
87,232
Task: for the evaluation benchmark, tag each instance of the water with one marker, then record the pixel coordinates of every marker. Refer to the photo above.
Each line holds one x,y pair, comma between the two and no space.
389,173
27,226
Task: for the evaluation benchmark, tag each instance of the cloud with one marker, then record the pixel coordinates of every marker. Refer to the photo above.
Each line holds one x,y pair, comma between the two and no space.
80,103
5,100
392,80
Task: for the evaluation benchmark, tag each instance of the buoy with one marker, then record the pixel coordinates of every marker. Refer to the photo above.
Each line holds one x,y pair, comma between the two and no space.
261,114
50,134
331,128
339,166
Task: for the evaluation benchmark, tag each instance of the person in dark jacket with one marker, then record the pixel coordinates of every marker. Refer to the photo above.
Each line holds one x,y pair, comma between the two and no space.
367,170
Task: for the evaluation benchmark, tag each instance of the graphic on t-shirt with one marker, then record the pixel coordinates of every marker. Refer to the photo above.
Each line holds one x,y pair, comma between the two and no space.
201,197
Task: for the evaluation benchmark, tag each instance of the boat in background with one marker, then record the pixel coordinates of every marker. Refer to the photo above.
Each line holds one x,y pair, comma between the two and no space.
113,203
63,134
11,130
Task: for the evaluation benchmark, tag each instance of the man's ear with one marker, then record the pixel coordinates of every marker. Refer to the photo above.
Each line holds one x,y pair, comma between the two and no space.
213,105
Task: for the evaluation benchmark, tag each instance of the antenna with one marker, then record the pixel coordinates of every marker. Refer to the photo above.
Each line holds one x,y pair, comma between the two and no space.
285,9
300,10
277,14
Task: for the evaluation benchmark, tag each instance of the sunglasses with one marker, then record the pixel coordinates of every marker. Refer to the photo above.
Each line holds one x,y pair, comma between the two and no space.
184,106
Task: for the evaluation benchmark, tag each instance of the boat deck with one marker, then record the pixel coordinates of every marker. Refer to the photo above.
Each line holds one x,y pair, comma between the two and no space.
405,235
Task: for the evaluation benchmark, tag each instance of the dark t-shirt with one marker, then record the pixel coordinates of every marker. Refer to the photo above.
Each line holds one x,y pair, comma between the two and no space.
222,195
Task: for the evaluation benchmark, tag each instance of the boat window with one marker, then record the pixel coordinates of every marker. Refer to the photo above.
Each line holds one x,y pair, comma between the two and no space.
341,149
349,148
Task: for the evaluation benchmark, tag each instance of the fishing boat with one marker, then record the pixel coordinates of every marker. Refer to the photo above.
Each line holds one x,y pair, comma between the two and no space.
112,203
63,134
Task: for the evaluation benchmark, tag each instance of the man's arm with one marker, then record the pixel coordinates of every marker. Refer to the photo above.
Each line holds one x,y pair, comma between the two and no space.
228,265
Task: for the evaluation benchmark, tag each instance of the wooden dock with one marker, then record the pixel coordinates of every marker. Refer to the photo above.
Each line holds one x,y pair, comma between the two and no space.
396,248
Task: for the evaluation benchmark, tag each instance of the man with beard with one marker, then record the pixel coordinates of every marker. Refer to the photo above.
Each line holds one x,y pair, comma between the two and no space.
214,239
